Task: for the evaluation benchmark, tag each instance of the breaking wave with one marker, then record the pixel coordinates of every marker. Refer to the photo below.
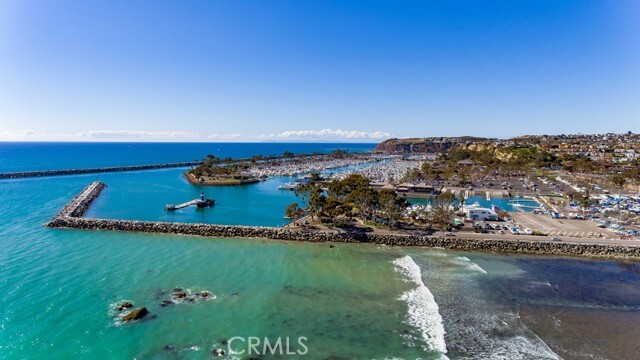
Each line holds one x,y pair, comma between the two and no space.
423,312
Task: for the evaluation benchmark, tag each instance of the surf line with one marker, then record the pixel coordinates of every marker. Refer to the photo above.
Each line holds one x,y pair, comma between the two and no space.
423,312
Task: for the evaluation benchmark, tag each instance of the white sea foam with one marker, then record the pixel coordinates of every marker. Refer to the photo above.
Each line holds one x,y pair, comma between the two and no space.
423,310
470,264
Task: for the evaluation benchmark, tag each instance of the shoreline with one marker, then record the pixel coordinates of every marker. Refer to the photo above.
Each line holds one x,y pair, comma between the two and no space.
71,217
43,173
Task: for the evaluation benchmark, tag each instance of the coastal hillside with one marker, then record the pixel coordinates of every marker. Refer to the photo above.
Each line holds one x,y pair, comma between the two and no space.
424,145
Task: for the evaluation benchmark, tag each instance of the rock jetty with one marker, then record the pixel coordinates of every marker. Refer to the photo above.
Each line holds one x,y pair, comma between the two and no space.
29,174
70,217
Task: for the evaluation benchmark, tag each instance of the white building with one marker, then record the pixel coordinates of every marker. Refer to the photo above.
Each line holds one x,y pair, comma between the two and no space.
477,213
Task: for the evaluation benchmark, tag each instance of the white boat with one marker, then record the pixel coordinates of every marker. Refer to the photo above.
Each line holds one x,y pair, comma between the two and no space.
289,186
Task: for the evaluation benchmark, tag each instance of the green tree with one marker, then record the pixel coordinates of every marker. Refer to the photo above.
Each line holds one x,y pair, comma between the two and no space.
333,207
391,207
293,211
365,200
342,188
317,201
440,215
303,191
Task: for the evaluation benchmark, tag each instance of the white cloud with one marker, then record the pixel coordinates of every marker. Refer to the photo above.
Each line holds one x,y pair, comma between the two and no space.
225,137
130,135
327,134
100,135
136,135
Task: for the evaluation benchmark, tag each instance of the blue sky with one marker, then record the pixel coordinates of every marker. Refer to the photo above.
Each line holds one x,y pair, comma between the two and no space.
316,70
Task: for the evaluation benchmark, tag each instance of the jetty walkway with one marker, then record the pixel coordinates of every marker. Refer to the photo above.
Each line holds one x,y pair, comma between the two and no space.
41,173
71,217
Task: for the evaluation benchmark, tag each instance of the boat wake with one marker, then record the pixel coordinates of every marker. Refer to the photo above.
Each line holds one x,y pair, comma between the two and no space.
423,312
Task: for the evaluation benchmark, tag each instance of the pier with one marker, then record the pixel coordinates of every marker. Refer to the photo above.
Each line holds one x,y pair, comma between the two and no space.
193,202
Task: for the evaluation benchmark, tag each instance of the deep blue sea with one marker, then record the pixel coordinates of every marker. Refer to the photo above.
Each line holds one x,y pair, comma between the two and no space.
27,156
60,287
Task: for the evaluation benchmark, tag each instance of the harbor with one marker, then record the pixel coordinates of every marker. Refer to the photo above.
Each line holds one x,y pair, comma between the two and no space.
71,217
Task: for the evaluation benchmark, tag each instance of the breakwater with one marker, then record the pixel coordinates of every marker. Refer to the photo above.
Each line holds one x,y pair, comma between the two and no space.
28,174
70,217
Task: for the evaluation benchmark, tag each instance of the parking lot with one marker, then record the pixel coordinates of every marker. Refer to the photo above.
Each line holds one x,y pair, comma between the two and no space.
561,227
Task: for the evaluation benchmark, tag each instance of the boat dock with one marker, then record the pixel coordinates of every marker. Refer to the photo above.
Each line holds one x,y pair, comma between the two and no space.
193,202
201,203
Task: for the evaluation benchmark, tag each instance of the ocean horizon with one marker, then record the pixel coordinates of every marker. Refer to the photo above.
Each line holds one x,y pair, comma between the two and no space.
34,156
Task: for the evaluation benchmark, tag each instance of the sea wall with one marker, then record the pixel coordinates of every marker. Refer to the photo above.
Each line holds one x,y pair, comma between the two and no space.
81,203
28,174
70,217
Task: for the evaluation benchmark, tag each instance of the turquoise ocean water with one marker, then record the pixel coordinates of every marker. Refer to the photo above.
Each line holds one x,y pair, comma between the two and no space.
354,301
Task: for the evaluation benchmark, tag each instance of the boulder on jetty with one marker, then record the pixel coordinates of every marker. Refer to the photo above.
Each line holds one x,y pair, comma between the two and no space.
135,314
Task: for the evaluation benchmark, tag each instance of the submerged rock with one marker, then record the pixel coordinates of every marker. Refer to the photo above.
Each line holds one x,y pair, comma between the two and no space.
135,314
160,293
125,305
188,296
166,303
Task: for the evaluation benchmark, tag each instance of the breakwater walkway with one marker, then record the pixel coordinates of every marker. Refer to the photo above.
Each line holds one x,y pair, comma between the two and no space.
71,217
29,174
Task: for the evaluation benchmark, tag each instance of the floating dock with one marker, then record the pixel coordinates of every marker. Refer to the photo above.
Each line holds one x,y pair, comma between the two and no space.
201,203
183,205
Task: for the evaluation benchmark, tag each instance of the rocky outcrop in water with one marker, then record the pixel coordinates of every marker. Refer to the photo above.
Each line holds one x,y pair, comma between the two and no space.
135,314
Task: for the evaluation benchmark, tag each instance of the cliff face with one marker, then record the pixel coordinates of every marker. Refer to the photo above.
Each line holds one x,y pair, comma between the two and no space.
422,145
501,153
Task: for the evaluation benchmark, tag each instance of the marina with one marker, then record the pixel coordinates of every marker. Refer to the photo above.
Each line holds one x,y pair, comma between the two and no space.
244,180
